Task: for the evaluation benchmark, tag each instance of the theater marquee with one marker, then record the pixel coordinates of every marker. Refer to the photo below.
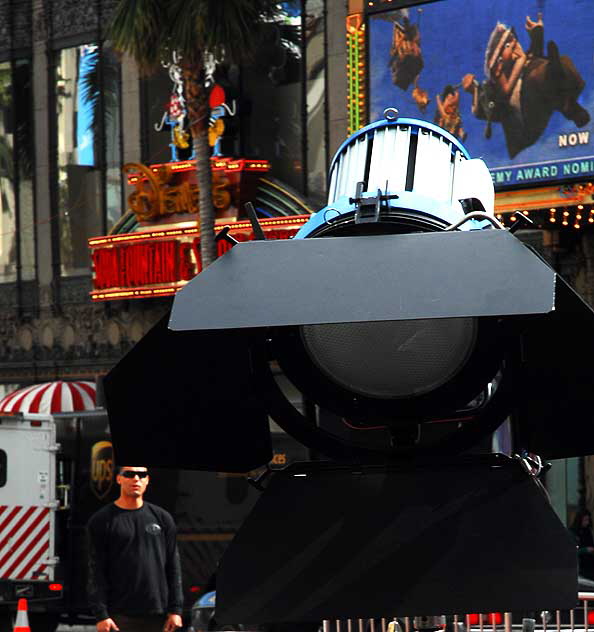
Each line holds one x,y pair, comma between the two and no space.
161,261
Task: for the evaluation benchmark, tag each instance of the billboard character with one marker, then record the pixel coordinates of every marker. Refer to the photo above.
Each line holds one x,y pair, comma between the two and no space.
522,89
447,114
420,97
406,61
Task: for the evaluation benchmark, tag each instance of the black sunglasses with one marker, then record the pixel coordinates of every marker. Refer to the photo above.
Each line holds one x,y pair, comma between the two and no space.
132,474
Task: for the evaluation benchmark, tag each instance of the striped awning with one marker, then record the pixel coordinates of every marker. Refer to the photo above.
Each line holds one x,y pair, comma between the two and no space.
50,398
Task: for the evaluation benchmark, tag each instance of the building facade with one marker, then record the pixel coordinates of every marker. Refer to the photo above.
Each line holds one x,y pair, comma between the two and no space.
73,113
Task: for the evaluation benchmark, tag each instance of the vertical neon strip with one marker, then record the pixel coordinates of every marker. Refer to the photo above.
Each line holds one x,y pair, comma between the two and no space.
355,72
353,84
361,84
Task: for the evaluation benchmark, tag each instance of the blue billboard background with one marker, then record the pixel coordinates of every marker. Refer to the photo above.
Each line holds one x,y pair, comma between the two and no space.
453,36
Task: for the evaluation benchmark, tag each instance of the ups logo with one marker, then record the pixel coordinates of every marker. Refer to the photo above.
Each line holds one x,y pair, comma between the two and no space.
101,469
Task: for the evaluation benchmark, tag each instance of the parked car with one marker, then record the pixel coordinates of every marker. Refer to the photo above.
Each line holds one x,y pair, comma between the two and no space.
203,619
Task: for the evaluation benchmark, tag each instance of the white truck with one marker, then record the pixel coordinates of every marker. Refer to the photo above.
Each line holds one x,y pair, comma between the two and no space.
41,533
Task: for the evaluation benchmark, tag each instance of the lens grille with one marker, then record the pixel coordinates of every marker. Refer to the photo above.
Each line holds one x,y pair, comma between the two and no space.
391,359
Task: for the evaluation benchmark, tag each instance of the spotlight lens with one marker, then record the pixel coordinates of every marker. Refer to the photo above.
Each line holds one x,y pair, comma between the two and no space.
391,359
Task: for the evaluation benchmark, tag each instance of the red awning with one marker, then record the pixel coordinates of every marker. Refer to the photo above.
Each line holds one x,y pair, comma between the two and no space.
50,398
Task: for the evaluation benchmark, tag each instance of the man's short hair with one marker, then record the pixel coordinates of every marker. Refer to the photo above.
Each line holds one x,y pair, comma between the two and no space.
118,468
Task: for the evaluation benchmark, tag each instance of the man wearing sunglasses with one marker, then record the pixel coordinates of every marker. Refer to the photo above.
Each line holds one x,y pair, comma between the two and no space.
134,569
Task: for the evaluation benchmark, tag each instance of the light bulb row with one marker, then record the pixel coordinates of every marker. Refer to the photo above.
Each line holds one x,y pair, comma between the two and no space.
577,217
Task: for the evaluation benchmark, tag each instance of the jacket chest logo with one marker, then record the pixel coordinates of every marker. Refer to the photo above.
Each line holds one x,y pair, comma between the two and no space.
153,528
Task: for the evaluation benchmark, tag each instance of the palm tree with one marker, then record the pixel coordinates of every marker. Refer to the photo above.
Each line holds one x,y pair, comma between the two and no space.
151,30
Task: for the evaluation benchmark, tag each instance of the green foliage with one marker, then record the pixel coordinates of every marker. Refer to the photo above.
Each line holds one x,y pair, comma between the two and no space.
149,30
138,28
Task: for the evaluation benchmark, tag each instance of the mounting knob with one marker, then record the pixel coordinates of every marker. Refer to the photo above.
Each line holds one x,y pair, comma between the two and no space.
391,114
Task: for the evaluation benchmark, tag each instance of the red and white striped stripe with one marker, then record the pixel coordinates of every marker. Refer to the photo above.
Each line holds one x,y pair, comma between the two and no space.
50,398
24,541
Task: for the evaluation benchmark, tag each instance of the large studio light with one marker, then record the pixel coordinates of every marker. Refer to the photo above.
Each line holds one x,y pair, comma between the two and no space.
404,309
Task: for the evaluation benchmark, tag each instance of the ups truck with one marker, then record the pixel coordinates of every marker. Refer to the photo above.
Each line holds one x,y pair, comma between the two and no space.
55,471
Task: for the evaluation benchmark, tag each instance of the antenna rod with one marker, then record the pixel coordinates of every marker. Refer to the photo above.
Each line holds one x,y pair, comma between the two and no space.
251,211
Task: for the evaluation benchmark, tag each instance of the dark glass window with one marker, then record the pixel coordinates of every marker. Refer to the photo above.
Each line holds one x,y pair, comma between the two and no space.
23,100
8,214
113,149
87,91
274,90
17,241
316,118
285,89
2,468
157,132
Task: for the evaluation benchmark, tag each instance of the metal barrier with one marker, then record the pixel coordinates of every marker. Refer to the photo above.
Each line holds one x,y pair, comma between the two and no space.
580,619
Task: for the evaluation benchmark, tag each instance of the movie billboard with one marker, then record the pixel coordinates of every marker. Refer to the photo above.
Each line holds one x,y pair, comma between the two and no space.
512,79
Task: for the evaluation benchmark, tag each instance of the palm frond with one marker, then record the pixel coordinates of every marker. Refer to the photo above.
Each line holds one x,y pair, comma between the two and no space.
90,84
184,32
232,26
98,82
139,28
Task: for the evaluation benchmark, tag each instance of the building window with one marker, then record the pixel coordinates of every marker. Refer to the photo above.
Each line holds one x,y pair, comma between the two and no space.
17,230
156,133
8,260
113,150
23,99
273,86
2,468
285,89
316,94
87,92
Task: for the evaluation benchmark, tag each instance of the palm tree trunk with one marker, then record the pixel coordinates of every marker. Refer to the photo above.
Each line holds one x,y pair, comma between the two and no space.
198,112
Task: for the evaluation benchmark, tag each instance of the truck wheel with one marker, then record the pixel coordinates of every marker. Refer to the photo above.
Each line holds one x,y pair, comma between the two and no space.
43,622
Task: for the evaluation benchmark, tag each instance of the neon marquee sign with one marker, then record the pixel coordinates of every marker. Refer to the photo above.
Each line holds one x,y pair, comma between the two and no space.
160,262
